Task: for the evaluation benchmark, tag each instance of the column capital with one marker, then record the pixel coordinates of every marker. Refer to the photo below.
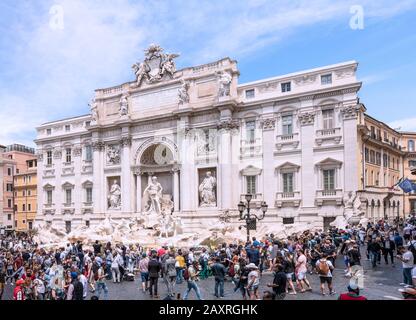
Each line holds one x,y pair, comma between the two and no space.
268,123
98,145
228,124
125,141
307,118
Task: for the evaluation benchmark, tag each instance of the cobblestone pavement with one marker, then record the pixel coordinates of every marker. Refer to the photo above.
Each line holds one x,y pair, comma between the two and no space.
379,284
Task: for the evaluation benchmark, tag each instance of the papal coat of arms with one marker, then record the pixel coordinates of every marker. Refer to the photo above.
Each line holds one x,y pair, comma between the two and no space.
155,66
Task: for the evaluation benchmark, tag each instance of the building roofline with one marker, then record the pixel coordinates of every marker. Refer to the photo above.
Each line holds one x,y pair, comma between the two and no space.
298,73
64,119
383,123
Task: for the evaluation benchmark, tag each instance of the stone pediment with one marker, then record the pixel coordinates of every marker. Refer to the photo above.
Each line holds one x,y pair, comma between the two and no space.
251,171
329,162
288,166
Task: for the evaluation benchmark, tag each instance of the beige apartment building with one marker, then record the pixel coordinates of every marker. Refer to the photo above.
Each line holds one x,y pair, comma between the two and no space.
381,167
409,166
12,162
25,196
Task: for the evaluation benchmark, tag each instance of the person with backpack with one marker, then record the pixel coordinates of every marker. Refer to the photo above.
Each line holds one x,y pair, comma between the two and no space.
191,276
325,268
169,273
180,266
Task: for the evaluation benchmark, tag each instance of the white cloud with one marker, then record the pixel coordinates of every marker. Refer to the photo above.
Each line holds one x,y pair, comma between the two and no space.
52,73
408,124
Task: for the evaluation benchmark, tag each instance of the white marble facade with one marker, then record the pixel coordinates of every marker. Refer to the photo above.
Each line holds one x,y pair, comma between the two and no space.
289,140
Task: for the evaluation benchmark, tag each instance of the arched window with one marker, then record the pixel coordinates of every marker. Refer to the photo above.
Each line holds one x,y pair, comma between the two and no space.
411,145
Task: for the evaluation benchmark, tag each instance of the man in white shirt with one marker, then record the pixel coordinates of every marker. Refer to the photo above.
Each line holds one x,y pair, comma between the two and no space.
406,257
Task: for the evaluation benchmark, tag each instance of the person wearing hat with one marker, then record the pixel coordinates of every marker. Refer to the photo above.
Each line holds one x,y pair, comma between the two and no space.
352,294
19,293
253,281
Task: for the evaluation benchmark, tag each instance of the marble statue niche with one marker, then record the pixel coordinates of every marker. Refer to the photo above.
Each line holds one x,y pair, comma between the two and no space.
207,191
113,155
224,82
124,106
152,197
114,193
94,110
183,94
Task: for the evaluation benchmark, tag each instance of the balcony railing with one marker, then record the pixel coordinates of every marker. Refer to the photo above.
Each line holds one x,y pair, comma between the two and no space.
328,132
329,195
287,197
287,137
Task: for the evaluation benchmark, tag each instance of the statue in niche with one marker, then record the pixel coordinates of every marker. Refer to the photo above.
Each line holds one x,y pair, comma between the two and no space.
152,197
113,155
183,93
114,198
124,106
207,191
94,110
224,81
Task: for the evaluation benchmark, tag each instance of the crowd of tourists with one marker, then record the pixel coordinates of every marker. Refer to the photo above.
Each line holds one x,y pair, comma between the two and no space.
71,272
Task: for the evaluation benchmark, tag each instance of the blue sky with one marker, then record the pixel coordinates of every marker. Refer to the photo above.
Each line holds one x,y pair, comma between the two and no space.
48,73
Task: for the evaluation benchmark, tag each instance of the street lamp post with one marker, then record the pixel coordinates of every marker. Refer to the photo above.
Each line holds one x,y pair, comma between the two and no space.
249,217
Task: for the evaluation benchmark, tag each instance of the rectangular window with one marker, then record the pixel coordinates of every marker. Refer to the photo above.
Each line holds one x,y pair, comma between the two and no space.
251,184
372,156
9,217
250,93
250,131
29,193
288,220
87,124
68,196
285,87
89,194
48,132
23,207
9,203
49,196
329,179
373,132
24,193
30,225
287,125
68,153
385,162
67,128
367,155
49,157
9,187
288,182
87,223
88,153
328,119
326,79
412,163
378,158
29,207
9,172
